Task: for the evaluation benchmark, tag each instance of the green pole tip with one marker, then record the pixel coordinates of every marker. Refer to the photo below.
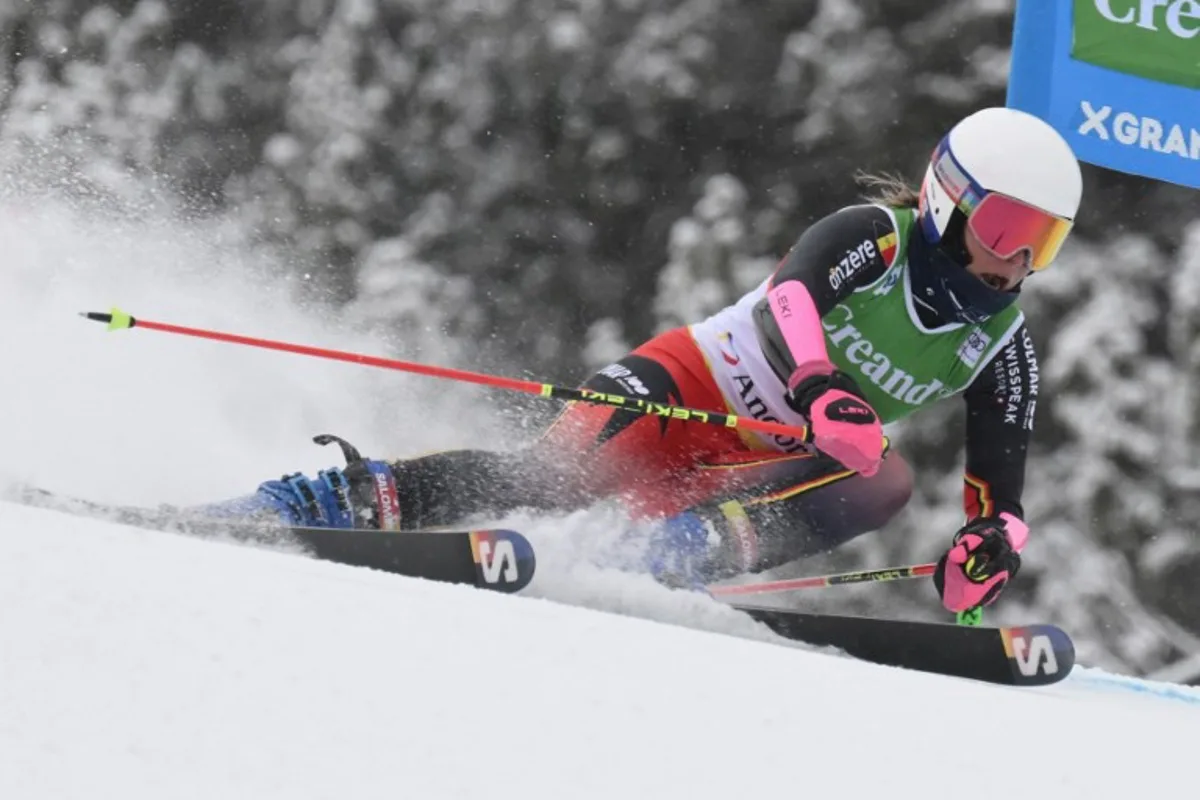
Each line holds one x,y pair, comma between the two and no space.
972,616
116,319
119,320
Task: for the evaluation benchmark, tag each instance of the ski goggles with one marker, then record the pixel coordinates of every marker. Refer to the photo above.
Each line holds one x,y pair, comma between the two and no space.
1003,225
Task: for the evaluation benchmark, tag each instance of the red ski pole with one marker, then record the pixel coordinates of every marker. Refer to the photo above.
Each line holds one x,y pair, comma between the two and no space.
119,320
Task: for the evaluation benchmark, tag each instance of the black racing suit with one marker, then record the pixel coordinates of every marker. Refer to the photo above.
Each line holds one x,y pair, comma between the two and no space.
795,504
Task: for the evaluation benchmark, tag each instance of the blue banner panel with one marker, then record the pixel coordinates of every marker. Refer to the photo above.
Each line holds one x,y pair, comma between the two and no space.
1112,119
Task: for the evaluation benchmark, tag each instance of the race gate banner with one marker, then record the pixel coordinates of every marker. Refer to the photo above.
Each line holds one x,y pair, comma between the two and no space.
1120,79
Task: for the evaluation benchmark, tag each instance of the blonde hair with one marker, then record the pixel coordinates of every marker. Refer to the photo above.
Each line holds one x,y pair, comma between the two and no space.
888,189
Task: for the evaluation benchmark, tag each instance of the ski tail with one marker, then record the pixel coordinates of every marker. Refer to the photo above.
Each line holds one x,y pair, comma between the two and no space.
496,559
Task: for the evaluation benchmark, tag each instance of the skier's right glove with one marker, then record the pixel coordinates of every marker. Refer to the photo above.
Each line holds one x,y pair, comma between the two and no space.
983,558
842,423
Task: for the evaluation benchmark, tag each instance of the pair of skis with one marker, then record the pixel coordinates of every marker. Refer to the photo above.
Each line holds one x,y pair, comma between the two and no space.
503,560
1032,655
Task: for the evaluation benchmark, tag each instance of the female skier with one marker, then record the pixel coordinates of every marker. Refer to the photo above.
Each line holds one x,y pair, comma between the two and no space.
877,311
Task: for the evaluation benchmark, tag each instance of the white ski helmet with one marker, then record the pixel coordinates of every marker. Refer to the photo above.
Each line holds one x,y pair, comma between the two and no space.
1011,178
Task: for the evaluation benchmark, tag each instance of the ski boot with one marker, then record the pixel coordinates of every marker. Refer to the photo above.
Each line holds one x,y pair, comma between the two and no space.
363,495
692,549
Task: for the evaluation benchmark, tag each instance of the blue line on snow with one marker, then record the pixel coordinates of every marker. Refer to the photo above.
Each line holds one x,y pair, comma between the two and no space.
1106,680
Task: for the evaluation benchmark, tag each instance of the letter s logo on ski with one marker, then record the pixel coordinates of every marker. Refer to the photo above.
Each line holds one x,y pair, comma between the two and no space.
1032,654
497,561
503,559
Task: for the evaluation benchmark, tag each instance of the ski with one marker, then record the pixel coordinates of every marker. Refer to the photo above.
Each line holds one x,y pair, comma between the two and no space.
496,559
1031,655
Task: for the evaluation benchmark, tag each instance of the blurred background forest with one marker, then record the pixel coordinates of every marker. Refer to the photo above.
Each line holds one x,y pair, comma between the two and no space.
556,180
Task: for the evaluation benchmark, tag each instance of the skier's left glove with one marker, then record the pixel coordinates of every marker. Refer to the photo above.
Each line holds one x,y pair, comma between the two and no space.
984,557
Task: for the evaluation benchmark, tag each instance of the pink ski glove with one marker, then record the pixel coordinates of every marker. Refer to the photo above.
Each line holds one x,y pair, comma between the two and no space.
984,557
842,424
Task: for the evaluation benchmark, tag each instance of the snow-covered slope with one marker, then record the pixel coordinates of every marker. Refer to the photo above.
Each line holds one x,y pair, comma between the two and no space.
137,665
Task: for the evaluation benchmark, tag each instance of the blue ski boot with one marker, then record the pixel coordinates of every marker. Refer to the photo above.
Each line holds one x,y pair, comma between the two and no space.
363,495
681,551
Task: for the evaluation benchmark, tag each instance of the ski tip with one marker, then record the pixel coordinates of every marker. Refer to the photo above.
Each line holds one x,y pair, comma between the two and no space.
116,319
504,559
1038,654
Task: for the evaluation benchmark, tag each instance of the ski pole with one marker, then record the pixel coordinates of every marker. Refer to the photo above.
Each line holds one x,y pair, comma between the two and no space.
822,581
119,320
972,616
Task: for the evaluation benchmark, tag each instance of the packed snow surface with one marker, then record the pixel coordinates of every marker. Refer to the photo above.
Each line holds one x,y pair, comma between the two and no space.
137,664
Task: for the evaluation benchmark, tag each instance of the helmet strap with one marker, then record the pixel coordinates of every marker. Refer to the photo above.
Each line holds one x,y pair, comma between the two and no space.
954,240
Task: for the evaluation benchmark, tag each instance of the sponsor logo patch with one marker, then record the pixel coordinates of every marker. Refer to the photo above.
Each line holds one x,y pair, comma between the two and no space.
852,263
757,408
387,501
974,347
848,409
888,283
625,378
727,350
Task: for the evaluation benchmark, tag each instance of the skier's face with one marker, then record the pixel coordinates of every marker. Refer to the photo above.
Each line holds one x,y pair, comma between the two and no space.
1002,274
